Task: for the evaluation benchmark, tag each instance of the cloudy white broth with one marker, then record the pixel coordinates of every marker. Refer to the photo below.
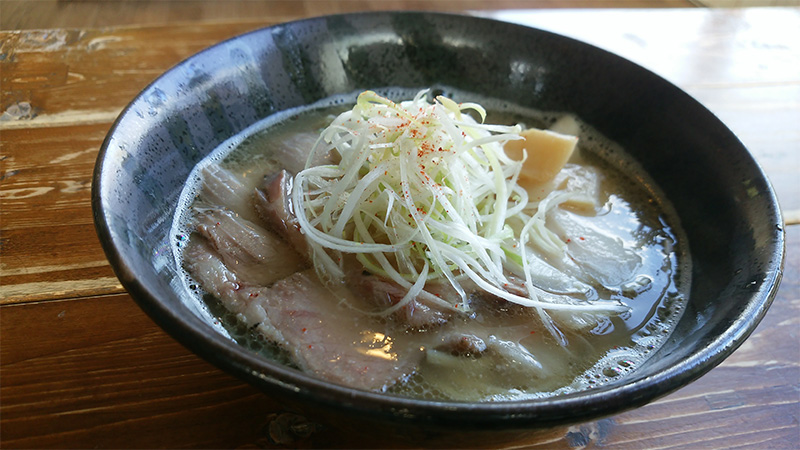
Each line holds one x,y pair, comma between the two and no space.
474,251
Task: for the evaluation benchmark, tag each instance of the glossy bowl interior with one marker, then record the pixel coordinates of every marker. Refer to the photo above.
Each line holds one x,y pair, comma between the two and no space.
726,205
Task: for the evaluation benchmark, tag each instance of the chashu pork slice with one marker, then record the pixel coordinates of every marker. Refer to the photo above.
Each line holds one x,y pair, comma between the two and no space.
223,187
301,315
272,202
249,250
429,309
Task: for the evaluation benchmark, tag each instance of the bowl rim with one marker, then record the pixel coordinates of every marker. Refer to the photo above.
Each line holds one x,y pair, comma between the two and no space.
274,378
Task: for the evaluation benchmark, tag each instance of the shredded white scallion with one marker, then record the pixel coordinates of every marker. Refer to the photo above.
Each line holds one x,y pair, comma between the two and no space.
423,191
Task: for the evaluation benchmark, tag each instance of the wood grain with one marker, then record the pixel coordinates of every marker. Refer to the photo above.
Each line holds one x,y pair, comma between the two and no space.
70,77
80,364
41,14
47,172
100,367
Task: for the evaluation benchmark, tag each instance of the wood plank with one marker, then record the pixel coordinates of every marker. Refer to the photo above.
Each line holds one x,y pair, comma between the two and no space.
21,14
72,77
100,373
50,248
49,172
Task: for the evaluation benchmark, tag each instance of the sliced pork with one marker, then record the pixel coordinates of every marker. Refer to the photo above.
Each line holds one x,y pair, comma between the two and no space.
306,319
272,201
291,150
425,311
491,366
221,187
250,251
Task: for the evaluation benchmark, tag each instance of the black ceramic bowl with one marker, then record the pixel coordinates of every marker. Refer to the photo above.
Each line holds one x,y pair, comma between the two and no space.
726,205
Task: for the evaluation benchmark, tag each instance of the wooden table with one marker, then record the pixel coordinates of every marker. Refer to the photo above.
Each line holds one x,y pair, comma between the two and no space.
82,366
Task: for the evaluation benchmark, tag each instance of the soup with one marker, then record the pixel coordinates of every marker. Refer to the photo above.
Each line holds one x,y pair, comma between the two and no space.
484,269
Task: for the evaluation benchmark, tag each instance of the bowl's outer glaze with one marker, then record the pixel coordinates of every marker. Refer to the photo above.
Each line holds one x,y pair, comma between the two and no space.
723,199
